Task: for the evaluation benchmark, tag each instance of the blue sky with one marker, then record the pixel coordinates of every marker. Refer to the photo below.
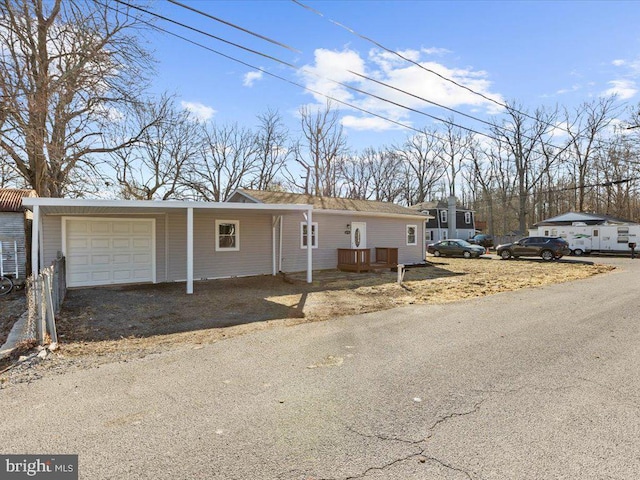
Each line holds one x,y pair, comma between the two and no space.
536,53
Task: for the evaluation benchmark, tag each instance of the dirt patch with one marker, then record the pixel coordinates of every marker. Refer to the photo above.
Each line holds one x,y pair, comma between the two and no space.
114,320
11,307
105,325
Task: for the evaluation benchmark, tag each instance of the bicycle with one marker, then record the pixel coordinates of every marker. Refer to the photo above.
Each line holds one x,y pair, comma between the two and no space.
6,285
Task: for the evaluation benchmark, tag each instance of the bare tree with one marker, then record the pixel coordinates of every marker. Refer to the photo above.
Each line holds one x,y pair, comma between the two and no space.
356,173
386,176
66,67
9,178
320,150
453,150
421,155
227,161
584,126
153,167
272,151
525,141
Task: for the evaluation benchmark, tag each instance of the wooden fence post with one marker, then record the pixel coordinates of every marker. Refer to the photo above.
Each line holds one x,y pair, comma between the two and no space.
51,319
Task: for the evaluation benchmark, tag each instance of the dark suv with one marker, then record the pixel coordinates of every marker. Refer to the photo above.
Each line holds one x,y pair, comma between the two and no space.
546,247
482,239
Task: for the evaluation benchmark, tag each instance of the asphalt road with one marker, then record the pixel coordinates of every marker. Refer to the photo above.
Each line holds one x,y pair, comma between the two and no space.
535,384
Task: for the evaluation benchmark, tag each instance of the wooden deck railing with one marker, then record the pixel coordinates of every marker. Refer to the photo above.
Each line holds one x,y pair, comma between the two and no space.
354,259
359,259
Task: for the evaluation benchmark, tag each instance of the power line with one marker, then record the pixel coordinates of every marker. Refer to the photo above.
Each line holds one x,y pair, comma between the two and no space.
202,32
275,42
419,65
363,92
253,67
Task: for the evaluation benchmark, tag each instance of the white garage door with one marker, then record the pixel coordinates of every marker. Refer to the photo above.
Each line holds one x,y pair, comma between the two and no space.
107,251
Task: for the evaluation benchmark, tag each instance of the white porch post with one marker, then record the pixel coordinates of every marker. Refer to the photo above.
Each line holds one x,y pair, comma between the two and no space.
310,246
280,246
274,221
190,250
35,238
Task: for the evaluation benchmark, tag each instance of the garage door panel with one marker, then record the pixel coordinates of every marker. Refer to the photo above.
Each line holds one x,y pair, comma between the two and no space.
139,274
103,252
79,278
121,228
100,260
122,275
77,260
99,227
78,243
141,243
121,259
141,228
121,243
141,259
97,243
100,277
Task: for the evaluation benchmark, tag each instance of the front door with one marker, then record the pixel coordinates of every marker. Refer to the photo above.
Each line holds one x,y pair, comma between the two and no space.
358,235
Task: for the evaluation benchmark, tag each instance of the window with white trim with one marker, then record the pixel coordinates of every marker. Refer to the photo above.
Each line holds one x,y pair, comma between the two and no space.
443,216
412,234
227,235
467,218
303,234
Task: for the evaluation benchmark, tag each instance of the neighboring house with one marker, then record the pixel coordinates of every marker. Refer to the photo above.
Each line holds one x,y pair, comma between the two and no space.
15,231
110,242
436,227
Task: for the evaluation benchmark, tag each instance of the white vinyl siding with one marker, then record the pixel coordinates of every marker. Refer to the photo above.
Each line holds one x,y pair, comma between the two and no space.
333,234
255,240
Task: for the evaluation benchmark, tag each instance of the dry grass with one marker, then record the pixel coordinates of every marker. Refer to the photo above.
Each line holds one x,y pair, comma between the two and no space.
113,321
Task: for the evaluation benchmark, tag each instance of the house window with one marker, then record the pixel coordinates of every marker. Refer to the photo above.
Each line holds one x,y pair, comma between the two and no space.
227,235
443,216
444,234
467,218
412,234
303,235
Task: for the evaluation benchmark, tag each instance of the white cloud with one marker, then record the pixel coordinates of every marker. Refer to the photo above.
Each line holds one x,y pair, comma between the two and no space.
250,78
436,51
375,124
619,62
624,89
574,88
388,68
199,110
331,65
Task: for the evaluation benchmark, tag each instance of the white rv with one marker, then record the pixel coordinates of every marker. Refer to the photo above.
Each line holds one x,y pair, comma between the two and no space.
584,238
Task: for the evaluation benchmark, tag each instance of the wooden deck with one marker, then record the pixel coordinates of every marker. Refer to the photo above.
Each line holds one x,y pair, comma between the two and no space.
359,259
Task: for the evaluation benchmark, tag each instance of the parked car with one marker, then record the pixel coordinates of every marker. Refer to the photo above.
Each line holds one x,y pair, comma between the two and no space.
482,239
455,247
546,247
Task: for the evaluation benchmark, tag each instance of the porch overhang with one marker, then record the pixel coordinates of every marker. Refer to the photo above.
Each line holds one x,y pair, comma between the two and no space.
42,206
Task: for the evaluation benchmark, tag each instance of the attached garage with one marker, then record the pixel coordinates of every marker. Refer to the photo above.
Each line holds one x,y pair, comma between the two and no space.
106,251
